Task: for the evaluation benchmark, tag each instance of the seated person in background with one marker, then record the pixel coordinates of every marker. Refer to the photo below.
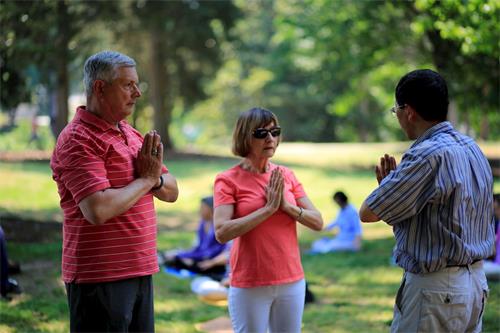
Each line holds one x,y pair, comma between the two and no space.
208,256
349,236
491,266
210,290
7,284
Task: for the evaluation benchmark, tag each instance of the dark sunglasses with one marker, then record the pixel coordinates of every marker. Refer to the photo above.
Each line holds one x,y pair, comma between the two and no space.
261,133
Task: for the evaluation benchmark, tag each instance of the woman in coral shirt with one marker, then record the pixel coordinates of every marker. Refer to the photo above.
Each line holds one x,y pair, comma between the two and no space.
257,203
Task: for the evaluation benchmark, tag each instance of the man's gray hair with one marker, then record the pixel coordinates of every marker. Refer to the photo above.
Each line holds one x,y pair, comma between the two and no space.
102,66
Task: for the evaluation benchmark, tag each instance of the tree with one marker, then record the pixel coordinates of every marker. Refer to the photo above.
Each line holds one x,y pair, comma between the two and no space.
15,87
463,39
332,66
181,54
322,87
46,34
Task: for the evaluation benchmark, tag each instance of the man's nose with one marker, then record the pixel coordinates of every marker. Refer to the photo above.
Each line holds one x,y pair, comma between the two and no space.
137,91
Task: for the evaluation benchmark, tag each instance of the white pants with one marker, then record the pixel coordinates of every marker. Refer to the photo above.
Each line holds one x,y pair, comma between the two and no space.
450,300
279,308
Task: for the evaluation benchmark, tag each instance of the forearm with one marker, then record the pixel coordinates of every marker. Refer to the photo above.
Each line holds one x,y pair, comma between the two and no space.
169,191
230,229
310,218
101,206
331,226
219,260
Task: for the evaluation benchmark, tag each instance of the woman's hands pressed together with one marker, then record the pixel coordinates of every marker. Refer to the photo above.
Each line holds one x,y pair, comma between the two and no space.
304,212
274,191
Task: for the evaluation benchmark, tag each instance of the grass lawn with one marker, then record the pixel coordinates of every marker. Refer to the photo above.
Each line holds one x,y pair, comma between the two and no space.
355,291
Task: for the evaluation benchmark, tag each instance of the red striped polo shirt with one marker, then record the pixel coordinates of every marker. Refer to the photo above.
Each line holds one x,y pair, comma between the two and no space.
92,155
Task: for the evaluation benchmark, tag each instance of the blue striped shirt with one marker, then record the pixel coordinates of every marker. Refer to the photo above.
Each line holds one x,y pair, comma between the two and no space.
439,201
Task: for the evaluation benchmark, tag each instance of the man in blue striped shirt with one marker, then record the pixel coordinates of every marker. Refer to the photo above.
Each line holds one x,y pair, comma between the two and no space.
439,201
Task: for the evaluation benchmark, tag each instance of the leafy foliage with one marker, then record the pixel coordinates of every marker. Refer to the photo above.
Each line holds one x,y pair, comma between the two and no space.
326,68
333,65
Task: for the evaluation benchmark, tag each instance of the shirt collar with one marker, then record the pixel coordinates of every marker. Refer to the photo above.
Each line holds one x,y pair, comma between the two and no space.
441,127
91,119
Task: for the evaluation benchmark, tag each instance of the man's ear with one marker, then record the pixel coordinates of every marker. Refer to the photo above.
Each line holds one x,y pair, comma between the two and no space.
411,113
98,87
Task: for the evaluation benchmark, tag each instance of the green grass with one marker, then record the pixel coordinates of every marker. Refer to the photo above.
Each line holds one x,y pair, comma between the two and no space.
355,291
18,137
27,189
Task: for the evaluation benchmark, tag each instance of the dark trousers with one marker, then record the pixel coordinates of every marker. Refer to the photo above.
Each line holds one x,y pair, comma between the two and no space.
118,306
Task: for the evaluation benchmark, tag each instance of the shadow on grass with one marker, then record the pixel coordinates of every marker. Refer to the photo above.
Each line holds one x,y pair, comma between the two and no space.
42,305
20,227
355,291
177,220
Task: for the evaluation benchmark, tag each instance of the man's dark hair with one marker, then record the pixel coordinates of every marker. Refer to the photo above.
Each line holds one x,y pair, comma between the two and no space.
426,91
340,196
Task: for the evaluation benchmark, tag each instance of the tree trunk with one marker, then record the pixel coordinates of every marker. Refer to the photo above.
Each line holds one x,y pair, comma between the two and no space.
62,82
465,122
453,114
160,94
484,130
364,113
12,117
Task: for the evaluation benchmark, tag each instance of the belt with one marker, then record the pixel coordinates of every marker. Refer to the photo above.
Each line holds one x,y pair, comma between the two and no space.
464,266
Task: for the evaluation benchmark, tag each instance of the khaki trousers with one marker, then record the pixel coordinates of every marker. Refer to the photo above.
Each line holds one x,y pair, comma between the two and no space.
450,300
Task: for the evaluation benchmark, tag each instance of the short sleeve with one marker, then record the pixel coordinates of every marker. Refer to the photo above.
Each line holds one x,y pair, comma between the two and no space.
224,192
83,168
296,186
405,191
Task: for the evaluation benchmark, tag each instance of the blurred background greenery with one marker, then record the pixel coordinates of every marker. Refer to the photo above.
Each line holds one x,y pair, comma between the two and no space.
327,68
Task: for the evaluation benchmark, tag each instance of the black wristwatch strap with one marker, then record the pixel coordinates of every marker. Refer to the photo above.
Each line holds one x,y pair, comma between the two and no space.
159,186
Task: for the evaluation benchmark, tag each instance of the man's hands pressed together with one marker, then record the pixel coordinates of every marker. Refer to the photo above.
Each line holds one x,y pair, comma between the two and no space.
387,164
150,158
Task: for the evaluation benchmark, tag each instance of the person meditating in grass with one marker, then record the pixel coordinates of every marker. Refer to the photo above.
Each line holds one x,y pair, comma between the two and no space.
347,221
208,256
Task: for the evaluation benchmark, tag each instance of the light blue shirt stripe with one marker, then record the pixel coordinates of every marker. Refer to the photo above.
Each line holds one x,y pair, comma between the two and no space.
439,201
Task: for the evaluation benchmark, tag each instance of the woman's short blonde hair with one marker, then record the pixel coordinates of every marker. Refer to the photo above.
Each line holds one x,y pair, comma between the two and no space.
247,122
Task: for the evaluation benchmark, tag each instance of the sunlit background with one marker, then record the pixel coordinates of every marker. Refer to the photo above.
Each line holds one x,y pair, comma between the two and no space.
327,68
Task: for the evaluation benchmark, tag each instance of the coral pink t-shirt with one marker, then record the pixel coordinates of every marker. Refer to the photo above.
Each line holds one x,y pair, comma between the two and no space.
269,253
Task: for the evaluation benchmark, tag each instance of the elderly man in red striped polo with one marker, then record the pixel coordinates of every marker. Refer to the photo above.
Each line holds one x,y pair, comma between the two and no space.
107,175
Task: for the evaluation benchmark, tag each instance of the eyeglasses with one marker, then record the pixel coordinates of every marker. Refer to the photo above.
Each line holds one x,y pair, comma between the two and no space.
395,109
261,133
